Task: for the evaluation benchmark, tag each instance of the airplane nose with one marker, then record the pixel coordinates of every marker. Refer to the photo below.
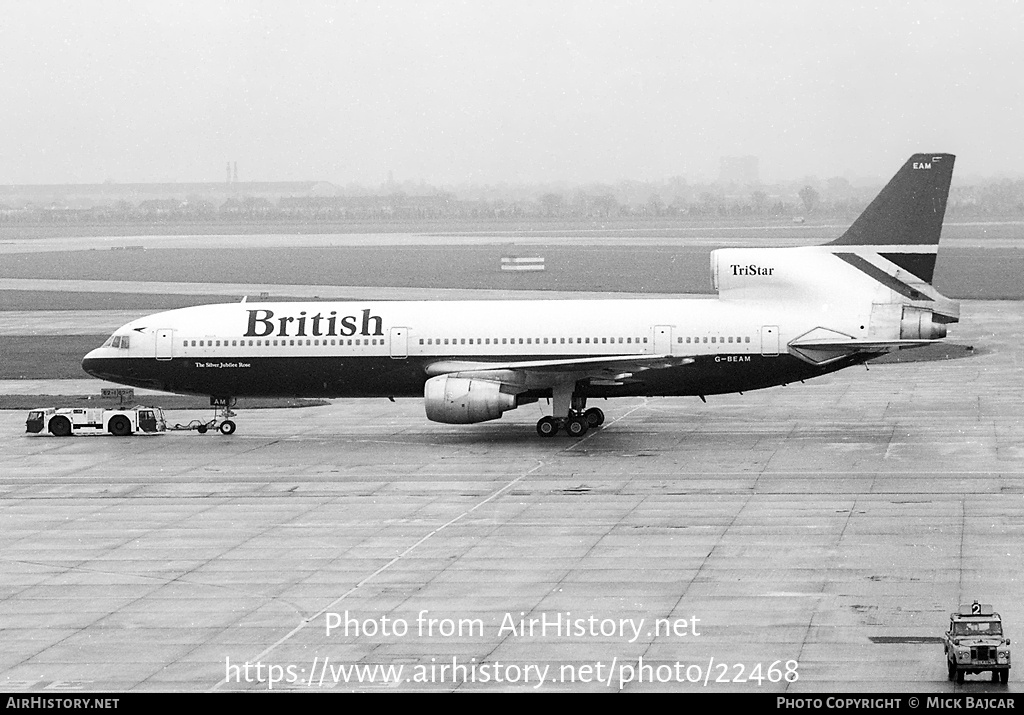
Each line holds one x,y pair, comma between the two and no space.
89,362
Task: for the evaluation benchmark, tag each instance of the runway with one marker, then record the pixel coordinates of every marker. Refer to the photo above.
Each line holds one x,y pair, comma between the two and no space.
810,538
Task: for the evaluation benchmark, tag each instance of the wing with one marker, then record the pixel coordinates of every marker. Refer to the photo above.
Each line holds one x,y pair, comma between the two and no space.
611,369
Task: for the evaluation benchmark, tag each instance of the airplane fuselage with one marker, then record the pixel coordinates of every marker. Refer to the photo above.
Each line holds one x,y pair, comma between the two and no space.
385,349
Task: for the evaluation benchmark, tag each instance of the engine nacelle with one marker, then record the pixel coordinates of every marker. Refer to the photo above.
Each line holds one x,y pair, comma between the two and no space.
920,324
464,400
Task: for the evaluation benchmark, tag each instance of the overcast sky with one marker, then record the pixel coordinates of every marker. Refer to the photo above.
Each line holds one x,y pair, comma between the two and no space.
487,91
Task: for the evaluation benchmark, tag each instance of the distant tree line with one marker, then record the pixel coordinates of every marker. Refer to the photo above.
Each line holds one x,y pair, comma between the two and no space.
674,199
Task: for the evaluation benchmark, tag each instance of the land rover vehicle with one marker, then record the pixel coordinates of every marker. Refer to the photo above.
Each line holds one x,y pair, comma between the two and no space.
975,643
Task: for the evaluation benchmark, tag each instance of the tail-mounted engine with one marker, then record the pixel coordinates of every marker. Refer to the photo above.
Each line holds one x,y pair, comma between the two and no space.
465,400
920,324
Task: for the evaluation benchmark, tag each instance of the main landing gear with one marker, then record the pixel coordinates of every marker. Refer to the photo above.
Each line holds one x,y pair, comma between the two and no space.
577,418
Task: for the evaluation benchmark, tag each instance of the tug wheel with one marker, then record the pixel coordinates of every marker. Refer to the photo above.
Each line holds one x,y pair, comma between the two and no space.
120,426
60,427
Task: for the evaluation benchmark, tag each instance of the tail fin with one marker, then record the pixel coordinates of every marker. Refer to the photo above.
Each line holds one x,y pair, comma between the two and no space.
904,222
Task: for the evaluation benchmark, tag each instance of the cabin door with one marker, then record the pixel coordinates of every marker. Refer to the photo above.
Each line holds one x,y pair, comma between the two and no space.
662,339
770,340
164,344
399,343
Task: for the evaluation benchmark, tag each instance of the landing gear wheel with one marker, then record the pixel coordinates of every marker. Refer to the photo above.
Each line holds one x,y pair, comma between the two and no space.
227,427
594,417
576,427
60,427
120,426
547,427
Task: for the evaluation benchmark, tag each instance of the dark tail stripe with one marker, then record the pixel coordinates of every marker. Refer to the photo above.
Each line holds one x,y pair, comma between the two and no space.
881,276
921,265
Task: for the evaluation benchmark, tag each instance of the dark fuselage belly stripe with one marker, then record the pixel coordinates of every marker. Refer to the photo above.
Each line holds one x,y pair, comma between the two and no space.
381,376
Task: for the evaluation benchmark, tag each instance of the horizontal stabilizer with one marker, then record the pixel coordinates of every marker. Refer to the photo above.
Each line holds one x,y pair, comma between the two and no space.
823,351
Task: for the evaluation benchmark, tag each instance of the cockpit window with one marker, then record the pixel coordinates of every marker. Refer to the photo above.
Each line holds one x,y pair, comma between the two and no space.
124,342
117,342
110,342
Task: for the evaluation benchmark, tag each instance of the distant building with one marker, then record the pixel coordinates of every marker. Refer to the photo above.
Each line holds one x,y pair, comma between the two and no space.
739,170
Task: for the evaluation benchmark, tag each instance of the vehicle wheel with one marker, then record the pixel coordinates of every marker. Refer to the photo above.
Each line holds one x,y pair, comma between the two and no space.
995,676
201,429
60,426
547,427
959,676
576,427
594,417
120,426
950,669
1004,676
227,427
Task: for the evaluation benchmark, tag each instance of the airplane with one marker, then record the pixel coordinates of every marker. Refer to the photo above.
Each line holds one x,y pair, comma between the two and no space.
781,315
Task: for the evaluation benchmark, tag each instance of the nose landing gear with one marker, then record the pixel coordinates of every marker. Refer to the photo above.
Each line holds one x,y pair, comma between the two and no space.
221,419
225,404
